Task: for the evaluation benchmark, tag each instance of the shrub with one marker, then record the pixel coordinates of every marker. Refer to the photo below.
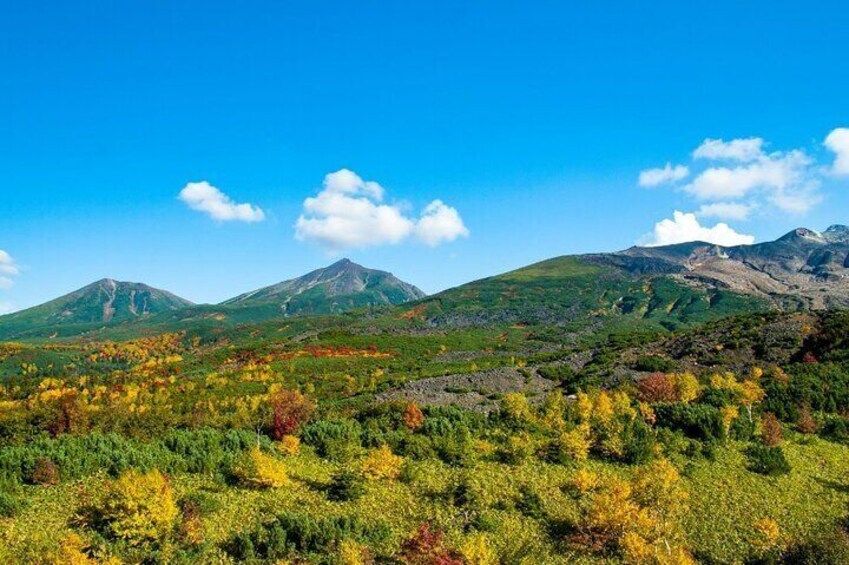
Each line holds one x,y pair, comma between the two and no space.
289,411
381,463
427,547
573,445
771,432
44,472
517,449
276,540
10,505
477,549
139,507
256,469
767,460
515,409
345,485
653,364
806,423
289,445
698,421
339,440
657,387
828,548
413,417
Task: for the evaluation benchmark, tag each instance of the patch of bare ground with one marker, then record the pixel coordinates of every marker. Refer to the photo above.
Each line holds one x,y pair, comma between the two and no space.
479,391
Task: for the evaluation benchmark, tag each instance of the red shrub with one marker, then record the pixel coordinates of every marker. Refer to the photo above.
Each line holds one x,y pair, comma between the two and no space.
427,547
657,387
290,410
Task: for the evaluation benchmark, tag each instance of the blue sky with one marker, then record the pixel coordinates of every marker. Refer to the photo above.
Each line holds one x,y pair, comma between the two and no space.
529,122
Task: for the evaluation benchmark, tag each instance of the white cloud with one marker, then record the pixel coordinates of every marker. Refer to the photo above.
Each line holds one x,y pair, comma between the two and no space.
667,174
685,227
6,308
838,142
8,270
204,197
7,264
725,211
787,180
743,150
349,213
440,223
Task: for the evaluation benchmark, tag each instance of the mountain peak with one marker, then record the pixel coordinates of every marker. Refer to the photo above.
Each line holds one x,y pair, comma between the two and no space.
104,301
339,287
801,233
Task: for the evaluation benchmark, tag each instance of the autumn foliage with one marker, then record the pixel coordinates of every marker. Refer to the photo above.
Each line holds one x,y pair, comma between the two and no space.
428,547
290,410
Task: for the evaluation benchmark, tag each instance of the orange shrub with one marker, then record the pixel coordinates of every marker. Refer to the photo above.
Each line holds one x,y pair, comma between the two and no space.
413,417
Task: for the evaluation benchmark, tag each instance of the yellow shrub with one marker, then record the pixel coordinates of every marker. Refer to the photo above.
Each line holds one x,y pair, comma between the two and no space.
140,507
768,534
478,550
575,444
381,463
516,407
258,470
289,445
585,480
71,552
353,553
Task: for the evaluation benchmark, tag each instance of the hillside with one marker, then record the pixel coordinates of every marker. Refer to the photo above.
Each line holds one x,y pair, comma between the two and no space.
804,268
103,303
668,286
342,286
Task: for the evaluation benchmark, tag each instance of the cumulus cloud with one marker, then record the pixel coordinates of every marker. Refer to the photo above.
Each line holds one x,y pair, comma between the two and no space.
838,142
725,211
204,197
8,270
440,223
685,227
743,150
787,180
664,175
349,213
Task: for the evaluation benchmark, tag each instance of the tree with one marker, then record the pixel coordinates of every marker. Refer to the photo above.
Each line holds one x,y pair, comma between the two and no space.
289,411
140,507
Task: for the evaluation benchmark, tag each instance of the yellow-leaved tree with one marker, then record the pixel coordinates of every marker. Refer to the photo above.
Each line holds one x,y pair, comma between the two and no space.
140,507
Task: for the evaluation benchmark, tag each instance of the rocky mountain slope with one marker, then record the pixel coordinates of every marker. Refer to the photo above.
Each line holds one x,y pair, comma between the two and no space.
802,269
668,286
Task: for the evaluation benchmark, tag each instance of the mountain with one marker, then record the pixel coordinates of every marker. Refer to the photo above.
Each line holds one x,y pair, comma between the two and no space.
340,287
668,286
102,303
802,269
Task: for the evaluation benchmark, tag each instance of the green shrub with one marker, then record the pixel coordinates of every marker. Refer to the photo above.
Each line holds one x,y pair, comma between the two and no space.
346,485
698,421
288,533
767,460
338,440
10,505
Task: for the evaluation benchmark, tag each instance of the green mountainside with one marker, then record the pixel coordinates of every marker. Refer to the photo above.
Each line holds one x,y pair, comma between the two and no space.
340,287
103,303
